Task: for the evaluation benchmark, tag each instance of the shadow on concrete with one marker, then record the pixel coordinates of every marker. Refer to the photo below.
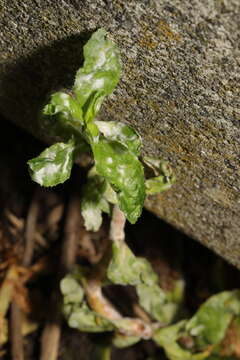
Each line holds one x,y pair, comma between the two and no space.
25,85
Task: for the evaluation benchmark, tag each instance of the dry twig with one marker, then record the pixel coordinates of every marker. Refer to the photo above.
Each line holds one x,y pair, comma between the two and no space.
72,228
16,314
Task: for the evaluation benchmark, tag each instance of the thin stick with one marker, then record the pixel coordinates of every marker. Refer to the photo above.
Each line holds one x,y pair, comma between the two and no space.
52,330
72,230
16,332
16,314
30,229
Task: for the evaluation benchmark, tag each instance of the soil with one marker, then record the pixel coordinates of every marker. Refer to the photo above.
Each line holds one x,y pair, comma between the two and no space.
22,203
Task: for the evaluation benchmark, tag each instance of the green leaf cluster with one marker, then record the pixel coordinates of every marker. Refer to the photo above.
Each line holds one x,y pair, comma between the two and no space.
114,146
80,316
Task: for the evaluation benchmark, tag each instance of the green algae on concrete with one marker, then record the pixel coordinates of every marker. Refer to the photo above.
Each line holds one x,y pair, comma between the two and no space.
180,89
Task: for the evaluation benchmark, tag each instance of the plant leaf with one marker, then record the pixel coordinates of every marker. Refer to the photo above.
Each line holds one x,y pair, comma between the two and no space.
122,341
62,117
86,320
127,269
53,166
75,308
124,172
211,321
72,290
122,133
97,195
155,301
167,338
164,178
99,75
207,328
61,102
93,202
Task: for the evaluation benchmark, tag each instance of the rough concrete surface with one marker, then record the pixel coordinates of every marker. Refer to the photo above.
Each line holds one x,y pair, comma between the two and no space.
180,89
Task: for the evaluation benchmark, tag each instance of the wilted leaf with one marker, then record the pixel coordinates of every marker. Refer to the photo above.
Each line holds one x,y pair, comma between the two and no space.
211,321
84,319
127,269
207,328
75,308
164,178
155,301
167,338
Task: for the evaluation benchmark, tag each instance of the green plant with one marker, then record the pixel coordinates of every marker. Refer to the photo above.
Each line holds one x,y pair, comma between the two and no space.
116,185
118,175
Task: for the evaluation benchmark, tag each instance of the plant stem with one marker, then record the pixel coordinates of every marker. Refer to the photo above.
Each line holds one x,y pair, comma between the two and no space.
118,221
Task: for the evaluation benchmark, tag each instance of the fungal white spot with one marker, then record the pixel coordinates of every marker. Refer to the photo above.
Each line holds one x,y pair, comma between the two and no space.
101,59
66,103
98,83
109,160
63,96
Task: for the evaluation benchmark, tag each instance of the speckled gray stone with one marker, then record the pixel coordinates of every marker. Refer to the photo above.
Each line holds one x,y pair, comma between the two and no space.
180,89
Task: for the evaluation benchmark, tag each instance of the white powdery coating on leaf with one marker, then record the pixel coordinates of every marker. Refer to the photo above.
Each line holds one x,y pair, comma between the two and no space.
66,103
45,173
110,129
92,217
83,78
98,84
63,96
101,60
109,160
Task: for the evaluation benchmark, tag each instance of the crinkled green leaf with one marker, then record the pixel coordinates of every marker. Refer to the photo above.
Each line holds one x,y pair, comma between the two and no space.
124,172
122,133
72,290
75,308
127,269
99,75
84,319
53,166
207,328
211,321
155,301
164,178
